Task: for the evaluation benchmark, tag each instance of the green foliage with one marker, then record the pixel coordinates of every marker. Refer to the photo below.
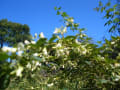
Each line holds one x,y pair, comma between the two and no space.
70,62
111,13
13,33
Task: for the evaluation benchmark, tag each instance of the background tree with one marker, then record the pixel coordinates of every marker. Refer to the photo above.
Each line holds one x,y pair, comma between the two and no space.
13,33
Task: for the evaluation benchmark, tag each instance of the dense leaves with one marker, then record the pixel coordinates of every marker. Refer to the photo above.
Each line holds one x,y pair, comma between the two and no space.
70,62
13,33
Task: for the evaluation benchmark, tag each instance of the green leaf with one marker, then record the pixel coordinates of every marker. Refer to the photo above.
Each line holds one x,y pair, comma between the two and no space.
102,9
103,81
97,9
3,56
55,8
99,42
64,14
37,58
116,20
100,3
108,4
41,42
53,38
58,13
117,13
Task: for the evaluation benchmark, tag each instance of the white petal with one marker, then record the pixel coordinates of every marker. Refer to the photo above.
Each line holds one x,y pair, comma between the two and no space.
26,42
45,51
13,50
41,35
57,30
33,42
35,54
49,85
20,53
19,71
65,30
35,35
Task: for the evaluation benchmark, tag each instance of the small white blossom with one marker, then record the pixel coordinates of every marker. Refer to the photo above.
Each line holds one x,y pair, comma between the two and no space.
5,49
112,42
28,65
20,53
71,20
35,54
33,42
84,52
67,23
20,46
57,30
9,49
35,35
117,77
38,64
45,51
61,51
81,35
49,85
117,64
41,35
59,45
28,47
19,71
65,30
13,50
26,42
77,41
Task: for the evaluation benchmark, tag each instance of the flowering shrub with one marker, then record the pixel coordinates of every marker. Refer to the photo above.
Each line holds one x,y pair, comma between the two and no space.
64,62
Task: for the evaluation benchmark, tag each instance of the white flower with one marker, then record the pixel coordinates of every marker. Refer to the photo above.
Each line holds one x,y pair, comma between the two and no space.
45,51
117,78
84,52
67,23
59,45
81,35
28,47
33,42
9,49
57,30
26,42
5,49
65,30
84,35
20,46
67,52
38,64
19,71
112,42
28,65
41,35
20,53
13,50
35,54
77,41
49,85
61,51
35,35
117,65
71,20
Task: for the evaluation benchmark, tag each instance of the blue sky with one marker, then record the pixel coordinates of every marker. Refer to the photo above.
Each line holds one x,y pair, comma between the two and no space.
41,16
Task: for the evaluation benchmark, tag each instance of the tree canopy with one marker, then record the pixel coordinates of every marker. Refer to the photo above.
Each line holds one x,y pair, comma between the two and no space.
12,33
